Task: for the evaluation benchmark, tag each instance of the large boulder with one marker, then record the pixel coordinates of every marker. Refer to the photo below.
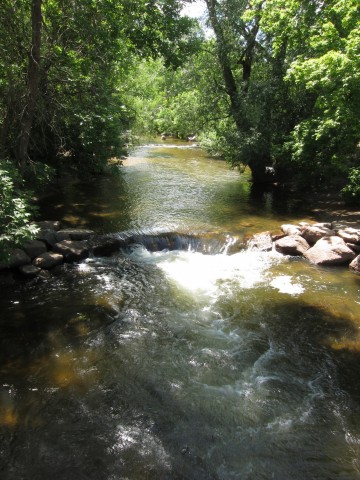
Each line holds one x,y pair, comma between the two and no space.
350,235
34,248
292,245
355,265
16,258
48,260
330,251
72,251
49,237
313,233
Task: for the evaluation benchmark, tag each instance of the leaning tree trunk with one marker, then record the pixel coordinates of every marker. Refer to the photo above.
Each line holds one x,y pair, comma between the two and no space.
33,80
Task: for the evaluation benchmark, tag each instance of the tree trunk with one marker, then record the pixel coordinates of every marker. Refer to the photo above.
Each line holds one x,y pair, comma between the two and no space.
237,95
33,80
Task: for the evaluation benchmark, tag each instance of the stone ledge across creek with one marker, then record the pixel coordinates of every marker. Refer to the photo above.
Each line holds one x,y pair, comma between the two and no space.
55,246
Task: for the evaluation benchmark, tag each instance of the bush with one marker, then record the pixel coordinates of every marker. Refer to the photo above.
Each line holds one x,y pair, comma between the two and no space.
351,192
15,210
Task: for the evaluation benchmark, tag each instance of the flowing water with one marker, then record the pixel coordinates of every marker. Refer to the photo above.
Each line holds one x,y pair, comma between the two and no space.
198,361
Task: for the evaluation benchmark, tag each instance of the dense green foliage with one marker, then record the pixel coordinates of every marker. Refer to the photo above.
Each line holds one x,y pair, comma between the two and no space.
275,87
64,69
272,85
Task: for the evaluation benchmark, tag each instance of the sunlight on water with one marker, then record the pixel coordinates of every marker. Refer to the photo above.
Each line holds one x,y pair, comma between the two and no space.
207,274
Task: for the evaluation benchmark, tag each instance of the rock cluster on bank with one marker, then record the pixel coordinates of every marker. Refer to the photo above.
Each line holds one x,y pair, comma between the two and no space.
335,243
53,247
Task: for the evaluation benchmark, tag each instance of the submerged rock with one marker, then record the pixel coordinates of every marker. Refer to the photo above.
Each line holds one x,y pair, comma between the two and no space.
330,251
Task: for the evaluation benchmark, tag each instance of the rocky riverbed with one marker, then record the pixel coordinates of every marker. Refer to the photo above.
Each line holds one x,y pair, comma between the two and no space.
331,243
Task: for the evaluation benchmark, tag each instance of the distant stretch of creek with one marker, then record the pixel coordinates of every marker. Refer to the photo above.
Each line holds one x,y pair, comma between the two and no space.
193,363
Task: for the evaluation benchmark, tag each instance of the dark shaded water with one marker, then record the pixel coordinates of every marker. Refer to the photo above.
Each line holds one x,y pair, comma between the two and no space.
180,364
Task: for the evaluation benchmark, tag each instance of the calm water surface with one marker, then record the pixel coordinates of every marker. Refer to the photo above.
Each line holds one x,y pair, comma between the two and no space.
180,364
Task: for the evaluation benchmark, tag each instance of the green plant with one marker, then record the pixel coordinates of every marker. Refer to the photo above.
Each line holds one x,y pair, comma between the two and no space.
15,210
351,192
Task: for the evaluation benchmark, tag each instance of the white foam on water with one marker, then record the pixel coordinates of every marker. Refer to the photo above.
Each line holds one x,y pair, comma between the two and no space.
210,274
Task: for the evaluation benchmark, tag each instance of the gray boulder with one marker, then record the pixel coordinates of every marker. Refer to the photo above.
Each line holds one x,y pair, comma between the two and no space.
34,248
49,237
292,245
48,260
330,251
72,251
16,258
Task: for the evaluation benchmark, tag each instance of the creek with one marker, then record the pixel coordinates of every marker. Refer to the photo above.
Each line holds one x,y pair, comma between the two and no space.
182,363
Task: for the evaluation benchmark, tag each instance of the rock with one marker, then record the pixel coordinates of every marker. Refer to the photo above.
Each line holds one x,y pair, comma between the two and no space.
329,251
340,225
48,260
29,271
34,248
75,234
49,237
290,229
49,225
303,224
72,250
323,225
292,245
105,246
62,235
16,258
355,265
313,233
354,248
261,241
349,235
277,236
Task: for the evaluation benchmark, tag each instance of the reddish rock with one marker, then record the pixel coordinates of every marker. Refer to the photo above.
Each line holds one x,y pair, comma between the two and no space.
313,233
355,265
292,245
329,251
290,229
350,235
